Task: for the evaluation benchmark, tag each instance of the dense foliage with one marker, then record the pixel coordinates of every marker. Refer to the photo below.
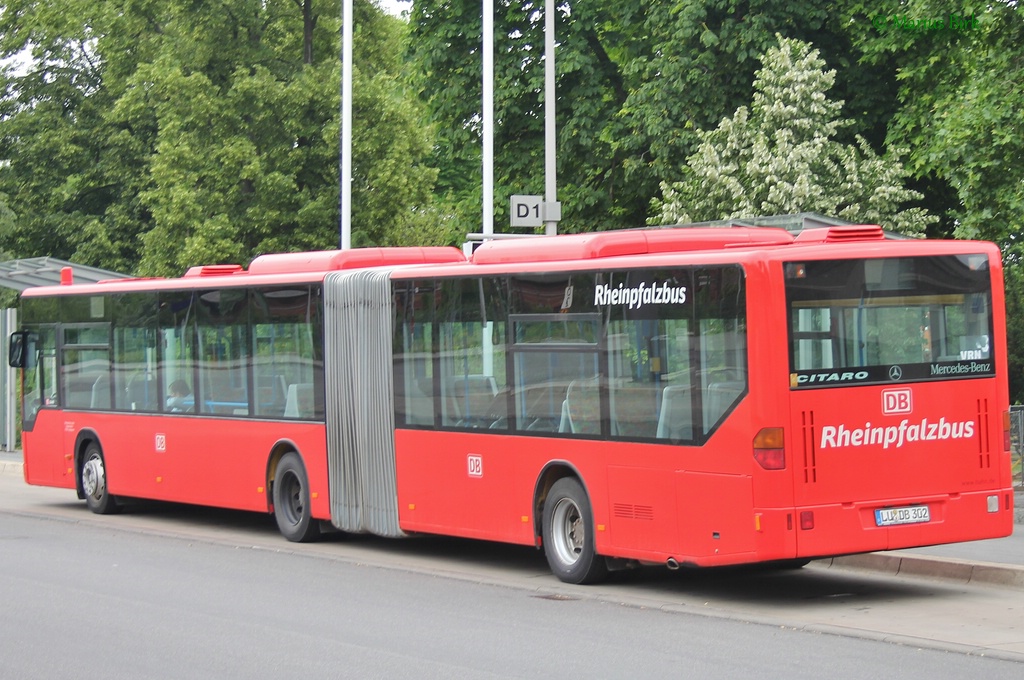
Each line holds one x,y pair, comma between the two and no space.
959,104
637,81
148,136
782,157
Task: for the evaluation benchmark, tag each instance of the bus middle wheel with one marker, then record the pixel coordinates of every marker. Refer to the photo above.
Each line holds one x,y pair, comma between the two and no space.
291,501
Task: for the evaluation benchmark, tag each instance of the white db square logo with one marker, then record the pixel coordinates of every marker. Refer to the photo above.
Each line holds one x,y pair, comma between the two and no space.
897,401
475,465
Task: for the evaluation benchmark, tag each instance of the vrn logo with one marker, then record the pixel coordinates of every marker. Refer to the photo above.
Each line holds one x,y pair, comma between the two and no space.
896,401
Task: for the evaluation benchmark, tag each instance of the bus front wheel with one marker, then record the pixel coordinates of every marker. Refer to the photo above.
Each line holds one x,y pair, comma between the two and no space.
94,482
291,501
568,534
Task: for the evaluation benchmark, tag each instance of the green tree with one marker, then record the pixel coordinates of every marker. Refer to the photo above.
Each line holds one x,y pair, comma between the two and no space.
960,99
149,136
445,46
636,80
51,142
782,156
1013,272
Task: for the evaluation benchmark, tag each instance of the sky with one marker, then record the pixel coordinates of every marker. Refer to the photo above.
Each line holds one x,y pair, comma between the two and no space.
394,6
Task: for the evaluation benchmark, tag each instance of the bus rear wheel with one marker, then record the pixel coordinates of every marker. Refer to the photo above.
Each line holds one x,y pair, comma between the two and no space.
291,501
94,482
568,534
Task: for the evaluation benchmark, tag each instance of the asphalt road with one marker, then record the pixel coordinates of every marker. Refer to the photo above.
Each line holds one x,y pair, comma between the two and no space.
87,551
114,600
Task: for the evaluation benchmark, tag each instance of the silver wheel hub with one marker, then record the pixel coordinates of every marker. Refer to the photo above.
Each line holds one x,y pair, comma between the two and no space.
568,531
93,477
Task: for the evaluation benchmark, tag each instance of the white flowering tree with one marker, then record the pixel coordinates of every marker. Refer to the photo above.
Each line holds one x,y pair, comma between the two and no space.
781,157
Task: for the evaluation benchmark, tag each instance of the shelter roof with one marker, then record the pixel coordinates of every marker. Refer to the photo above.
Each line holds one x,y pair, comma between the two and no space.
45,271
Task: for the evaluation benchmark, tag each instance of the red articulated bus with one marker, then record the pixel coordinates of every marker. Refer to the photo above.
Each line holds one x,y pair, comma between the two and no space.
677,396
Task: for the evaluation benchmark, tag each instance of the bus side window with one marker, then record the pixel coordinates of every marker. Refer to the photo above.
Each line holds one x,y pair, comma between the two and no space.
633,408
413,348
471,352
271,394
78,390
141,394
474,398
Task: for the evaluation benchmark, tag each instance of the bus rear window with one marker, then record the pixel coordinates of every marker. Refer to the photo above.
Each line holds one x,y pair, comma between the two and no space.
889,319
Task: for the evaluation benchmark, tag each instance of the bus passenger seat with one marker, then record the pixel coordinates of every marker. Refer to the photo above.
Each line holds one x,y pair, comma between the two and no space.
676,420
565,423
584,406
718,399
100,396
299,403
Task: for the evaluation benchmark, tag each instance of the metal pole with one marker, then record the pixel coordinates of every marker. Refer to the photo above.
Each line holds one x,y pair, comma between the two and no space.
488,118
345,198
550,183
10,382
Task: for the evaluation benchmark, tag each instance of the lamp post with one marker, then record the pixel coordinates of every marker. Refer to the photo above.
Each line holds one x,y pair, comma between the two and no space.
487,52
552,209
550,169
345,172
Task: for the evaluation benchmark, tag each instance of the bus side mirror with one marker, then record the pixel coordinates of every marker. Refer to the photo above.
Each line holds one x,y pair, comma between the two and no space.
16,350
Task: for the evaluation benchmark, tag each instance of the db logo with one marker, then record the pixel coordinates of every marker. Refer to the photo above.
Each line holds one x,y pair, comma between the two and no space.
897,401
475,465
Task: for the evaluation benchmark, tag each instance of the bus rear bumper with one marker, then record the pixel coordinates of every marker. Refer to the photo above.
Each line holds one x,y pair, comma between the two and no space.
892,524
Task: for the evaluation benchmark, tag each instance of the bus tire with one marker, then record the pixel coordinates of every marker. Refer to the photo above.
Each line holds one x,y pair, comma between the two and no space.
568,534
93,475
291,501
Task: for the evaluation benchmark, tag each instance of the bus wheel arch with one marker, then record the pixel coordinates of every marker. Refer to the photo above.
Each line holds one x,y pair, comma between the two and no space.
290,496
91,476
566,526
551,473
276,453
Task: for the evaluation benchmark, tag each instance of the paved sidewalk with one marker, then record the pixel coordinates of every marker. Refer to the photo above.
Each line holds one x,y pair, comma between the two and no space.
10,463
998,561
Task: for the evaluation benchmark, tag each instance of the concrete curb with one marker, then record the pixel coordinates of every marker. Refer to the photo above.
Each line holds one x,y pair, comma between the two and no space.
946,568
8,468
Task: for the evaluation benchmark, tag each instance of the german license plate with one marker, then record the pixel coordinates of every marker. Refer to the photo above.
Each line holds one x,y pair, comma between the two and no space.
913,514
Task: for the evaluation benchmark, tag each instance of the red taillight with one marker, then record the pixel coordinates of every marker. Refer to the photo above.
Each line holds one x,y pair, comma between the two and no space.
807,520
769,451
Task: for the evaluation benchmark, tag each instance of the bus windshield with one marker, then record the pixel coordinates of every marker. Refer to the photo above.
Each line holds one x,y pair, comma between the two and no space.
889,319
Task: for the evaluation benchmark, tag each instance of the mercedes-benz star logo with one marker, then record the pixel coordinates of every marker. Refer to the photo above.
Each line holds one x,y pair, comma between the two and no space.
895,372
